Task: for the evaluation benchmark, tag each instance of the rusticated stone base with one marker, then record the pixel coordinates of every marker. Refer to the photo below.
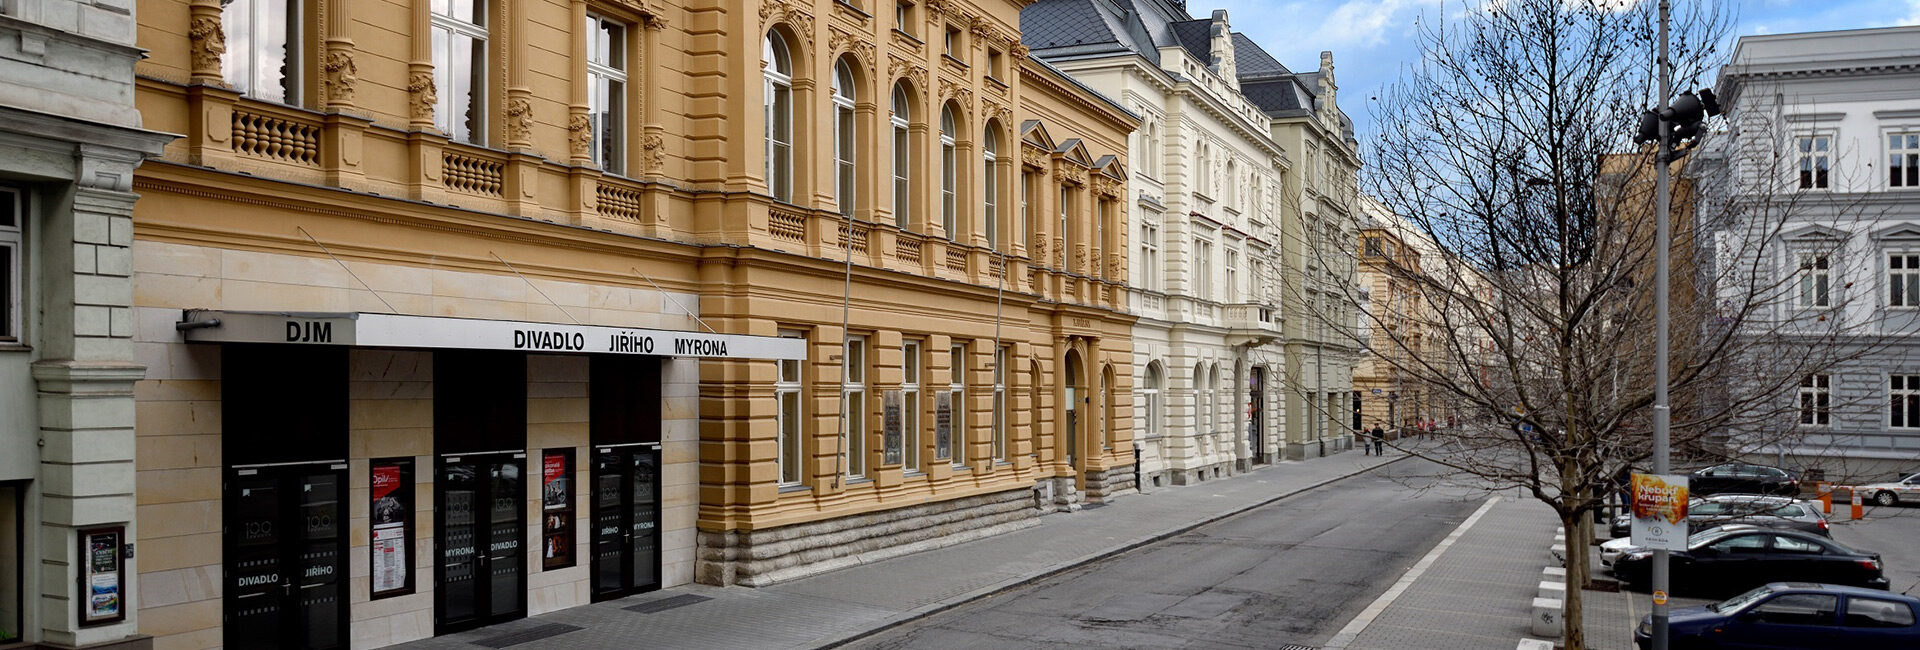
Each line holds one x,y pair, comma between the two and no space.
1193,475
765,557
1105,486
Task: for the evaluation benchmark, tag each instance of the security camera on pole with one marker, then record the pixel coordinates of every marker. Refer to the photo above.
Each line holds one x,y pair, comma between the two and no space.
1673,122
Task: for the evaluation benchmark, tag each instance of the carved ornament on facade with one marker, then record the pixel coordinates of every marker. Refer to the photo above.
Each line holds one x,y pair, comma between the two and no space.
519,119
656,22
1107,186
423,95
959,93
982,30
1116,267
653,151
1059,252
851,14
1072,173
842,41
1019,50
775,11
1034,156
342,74
900,68
904,40
580,135
208,42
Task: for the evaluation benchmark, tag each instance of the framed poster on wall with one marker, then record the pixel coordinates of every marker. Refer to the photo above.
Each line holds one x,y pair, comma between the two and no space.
556,509
392,526
103,575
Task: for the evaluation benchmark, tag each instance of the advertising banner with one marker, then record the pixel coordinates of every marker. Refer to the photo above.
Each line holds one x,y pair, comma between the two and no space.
1660,511
101,576
392,506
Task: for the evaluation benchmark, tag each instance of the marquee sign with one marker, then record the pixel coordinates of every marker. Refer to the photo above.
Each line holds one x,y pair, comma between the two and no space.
399,331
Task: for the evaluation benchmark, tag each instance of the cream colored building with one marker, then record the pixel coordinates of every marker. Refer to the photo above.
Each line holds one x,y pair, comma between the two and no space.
1404,338
511,306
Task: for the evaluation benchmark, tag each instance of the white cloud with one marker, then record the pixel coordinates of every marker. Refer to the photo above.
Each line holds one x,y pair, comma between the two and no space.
1366,22
1913,13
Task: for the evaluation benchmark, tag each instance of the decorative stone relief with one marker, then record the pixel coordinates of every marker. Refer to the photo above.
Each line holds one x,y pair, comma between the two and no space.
342,74
423,94
773,11
959,93
208,42
580,135
1019,50
1034,156
653,151
899,68
519,119
1073,173
842,41
1106,186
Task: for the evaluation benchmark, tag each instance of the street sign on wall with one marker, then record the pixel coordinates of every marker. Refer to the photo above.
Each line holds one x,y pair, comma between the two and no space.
1660,511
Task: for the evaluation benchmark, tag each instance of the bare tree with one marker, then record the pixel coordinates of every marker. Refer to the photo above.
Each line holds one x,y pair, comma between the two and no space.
1509,147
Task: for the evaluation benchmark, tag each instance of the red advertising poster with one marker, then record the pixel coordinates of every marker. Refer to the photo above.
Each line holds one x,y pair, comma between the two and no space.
556,467
392,502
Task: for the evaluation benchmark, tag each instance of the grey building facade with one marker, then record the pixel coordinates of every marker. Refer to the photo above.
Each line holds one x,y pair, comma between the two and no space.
69,142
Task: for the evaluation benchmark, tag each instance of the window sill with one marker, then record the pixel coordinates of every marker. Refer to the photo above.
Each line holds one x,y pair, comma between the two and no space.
949,58
903,34
796,487
14,346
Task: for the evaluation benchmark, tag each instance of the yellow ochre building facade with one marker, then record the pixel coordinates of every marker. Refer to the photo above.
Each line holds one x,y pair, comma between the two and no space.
461,311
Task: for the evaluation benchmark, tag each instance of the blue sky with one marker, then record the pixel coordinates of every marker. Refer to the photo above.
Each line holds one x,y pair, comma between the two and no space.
1371,39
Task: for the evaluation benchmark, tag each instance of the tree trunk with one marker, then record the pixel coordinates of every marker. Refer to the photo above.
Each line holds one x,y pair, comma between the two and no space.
1572,620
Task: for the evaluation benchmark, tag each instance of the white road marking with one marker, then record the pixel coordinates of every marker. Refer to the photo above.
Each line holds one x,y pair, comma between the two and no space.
1359,624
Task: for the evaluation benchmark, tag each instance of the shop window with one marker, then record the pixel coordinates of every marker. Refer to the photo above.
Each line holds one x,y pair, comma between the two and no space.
479,401
623,399
262,60
556,509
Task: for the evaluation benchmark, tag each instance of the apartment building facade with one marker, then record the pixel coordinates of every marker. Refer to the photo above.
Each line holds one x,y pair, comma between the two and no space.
458,312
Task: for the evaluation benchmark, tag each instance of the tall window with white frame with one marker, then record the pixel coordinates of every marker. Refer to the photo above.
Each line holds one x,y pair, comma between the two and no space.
957,387
460,69
1001,414
1149,253
844,147
1815,160
1816,280
1903,160
853,405
607,91
949,172
1029,215
1232,268
1816,396
1903,280
777,95
910,356
13,300
786,392
1231,186
1904,409
1201,419
902,121
1065,230
1150,400
262,60
1202,269
990,186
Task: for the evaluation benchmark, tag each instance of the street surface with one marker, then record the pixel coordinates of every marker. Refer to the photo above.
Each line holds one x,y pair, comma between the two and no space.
1894,533
1292,572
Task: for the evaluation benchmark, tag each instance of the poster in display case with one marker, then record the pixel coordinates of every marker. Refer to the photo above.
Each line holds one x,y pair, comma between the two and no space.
102,575
556,509
392,526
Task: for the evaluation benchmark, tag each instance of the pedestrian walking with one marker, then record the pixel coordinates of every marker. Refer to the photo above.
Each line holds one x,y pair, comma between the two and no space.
1378,440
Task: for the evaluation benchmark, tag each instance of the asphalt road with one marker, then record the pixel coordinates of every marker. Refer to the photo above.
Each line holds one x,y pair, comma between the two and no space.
1894,533
1293,572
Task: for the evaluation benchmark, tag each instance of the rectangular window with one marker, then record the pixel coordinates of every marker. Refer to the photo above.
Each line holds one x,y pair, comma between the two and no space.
1903,160
957,387
786,391
13,301
1816,396
1232,267
1373,247
1202,269
990,205
1903,280
1814,161
1149,255
853,407
902,183
1816,280
12,562
1000,413
1066,222
460,68
948,181
607,91
910,404
953,44
903,17
1904,410
1025,215
262,60
994,64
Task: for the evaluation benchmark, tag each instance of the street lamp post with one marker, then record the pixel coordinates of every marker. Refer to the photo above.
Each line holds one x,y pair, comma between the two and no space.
1662,241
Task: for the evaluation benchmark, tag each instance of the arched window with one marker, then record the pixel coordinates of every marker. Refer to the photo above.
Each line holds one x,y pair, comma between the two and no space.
902,119
948,170
1201,419
1232,179
990,186
843,137
777,90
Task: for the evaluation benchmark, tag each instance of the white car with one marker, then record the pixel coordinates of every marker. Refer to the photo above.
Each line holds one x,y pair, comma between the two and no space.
1887,494
1616,547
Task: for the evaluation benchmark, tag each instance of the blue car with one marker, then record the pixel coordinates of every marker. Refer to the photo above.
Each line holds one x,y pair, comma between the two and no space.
1794,615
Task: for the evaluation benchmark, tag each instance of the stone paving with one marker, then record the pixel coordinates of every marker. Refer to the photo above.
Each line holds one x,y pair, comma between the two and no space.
847,604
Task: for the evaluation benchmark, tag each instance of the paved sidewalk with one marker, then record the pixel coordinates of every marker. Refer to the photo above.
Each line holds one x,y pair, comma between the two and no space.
1473,592
836,607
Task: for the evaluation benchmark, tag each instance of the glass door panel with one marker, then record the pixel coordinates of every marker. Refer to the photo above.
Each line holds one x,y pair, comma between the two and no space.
256,593
646,508
506,562
318,587
459,555
609,524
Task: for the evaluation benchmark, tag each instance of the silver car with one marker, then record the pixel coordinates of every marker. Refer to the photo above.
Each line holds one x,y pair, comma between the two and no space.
1887,494
1759,510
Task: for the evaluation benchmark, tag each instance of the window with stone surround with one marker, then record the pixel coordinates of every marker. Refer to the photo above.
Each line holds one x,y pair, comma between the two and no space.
790,421
901,120
957,386
949,171
1816,397
853,407
1002,413
777,115
990,185
1903,160
1903,280
911,360
1814,160
606,40
262,60
1903,409
13,216
459,33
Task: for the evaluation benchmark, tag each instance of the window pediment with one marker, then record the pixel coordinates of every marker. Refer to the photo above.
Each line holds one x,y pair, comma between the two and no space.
1906,232
1815,233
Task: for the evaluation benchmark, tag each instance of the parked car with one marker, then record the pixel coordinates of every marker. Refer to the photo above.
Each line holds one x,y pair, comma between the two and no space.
1618,546
1887,494
1794,615
1757,509
1730,559
1742,478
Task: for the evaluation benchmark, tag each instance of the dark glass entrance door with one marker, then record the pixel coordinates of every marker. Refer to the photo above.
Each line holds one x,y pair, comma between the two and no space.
481,573
286,549
626,516
1256,411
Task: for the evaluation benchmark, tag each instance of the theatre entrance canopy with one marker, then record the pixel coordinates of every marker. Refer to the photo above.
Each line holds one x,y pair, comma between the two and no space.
373,330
